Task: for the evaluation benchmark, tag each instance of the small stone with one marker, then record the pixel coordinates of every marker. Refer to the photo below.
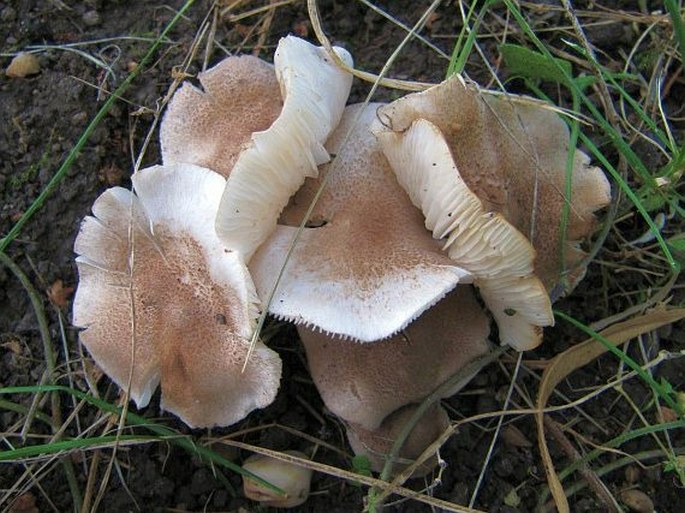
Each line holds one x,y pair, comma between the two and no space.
79,118
91,18
23,65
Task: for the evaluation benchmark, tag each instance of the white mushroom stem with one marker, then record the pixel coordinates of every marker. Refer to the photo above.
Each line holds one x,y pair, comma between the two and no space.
294,480
483,243
279,159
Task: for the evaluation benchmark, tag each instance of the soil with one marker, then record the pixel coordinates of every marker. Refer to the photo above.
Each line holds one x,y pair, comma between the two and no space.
42,117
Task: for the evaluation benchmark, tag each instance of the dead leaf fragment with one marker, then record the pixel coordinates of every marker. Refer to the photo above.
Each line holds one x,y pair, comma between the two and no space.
668,414
514,437
637,501
23,65
301,28
25,503
13,345
58,294
112,175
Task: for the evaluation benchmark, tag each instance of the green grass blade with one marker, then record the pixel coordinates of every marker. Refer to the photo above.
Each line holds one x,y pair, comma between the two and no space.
163,432
657,387
678,25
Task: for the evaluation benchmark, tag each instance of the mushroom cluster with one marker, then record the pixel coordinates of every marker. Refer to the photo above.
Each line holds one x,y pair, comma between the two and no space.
421,217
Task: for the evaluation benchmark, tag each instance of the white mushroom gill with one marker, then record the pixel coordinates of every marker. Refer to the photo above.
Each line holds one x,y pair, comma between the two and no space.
483,243
277,160
163,302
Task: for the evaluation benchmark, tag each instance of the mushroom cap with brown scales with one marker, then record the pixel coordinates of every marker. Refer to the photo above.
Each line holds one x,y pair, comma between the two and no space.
364,383
512,153
369,267
276,161
160,299
211,125
376,444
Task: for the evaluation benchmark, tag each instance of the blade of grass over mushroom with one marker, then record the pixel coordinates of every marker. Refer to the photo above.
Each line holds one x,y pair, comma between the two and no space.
279,159
376,80
162,432
73,154
485,244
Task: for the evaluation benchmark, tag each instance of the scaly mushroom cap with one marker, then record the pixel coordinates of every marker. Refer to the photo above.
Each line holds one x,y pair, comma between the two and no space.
376,444
512,153
161,299
210,126
484,243
277,161
371,267
364,383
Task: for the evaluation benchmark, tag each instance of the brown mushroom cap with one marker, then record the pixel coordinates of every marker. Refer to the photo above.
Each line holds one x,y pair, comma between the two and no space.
376,444
371,267
210,126
512,153
277,160
364,383
161,300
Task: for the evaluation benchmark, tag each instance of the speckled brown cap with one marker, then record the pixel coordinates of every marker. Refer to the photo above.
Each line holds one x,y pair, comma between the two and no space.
160,299
211,125
364,383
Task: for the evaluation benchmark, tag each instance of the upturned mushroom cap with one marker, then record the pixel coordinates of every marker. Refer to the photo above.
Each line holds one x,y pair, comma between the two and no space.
370,267
161,300
376,444
211,125
484,243
512,152
364,383
277,161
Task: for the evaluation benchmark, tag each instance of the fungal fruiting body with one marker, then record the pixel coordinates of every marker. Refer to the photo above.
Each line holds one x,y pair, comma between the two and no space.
162,301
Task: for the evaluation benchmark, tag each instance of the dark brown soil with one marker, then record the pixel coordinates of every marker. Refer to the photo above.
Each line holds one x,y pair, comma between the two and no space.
42,118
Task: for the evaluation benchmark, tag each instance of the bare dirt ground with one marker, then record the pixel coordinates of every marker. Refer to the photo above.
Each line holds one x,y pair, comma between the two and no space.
85,50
